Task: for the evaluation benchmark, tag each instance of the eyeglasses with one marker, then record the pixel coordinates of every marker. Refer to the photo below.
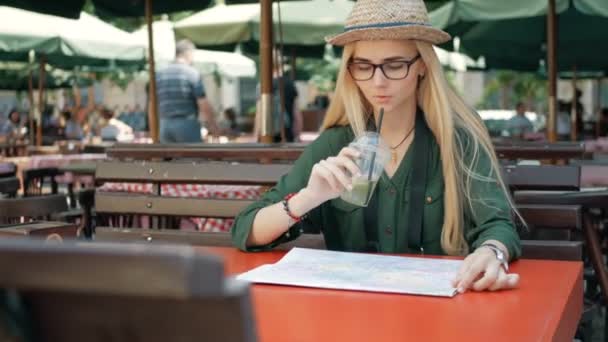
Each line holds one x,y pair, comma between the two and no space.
393,70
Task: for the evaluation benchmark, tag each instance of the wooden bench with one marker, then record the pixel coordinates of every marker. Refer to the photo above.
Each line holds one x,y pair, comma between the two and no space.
48,230
118,209
16,210
552,181
542,177
8,169
542,151
90,292
9,186
220,239
539,238
241,152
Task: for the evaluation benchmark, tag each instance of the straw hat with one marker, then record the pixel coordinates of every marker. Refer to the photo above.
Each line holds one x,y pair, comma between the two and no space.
389,19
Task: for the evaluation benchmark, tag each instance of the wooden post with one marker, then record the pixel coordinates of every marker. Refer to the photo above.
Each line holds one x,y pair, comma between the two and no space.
573,109
552,71
152,100
293,64
30,96
598,120
40,102
266,43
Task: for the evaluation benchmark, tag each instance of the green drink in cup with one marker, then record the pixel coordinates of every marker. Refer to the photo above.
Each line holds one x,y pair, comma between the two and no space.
374,156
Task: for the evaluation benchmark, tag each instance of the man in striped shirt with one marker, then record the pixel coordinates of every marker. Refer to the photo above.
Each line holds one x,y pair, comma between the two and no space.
181,99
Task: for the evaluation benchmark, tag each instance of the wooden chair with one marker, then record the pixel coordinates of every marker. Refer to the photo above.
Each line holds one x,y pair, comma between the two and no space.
551,232
542,151
9,186
118,209
14,210
34,181
76,292
220,239
544,182
8,170
544,177
240,152
49,230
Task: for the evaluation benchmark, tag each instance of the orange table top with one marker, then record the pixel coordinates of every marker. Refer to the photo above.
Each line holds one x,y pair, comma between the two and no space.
546,307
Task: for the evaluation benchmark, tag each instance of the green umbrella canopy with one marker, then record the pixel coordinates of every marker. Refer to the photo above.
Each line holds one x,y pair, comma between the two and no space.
66,43
131,8
512,34
305,24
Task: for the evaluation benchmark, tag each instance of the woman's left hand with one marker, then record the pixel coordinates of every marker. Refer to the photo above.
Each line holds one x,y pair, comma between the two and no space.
482,271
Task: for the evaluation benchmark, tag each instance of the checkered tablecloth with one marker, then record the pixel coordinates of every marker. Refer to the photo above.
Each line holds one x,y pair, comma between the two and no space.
243,192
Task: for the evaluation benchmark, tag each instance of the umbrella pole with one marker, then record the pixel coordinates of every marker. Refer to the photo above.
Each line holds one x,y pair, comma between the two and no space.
573,109
293,64
30,96
266,72
598,120
552,70
40,102
152,100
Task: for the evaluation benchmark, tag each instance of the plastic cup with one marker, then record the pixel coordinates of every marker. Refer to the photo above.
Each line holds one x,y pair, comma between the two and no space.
374,156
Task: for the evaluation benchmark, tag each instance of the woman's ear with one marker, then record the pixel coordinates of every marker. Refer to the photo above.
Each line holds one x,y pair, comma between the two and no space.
421,69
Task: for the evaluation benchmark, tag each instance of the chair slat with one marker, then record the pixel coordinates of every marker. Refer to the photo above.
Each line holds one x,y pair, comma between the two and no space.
121,203
219,239
545,177
192,172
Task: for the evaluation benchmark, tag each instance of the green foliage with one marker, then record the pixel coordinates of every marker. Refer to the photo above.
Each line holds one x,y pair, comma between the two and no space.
506,88
321,72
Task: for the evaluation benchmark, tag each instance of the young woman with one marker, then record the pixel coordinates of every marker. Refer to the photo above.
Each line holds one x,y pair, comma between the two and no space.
441,193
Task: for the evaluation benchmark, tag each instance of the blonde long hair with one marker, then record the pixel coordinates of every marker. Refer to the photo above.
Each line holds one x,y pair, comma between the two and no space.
445,113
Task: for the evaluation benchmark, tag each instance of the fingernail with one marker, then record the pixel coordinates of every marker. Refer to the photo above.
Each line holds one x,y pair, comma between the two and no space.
461,290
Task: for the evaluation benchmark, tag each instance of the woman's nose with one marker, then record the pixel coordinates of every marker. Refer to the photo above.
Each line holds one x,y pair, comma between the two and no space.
379,79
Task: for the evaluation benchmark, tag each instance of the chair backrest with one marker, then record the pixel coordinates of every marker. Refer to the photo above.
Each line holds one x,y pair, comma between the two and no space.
219,239
34,180
241,152
119,208
192,172
8,169
9,186
543,177
14,210
78,292
551,231
541,151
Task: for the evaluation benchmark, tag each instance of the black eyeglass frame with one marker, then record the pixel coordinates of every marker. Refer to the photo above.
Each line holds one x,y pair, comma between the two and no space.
381,67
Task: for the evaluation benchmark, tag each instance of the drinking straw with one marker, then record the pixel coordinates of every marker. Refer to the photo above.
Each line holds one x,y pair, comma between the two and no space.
371,169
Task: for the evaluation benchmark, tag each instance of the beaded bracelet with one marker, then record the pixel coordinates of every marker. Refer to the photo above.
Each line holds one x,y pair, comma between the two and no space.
288,211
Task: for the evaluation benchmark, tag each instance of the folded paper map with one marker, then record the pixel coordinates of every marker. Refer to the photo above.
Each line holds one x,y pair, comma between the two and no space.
359,272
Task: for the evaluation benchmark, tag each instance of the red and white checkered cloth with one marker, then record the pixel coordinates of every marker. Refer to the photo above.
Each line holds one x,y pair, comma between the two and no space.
244,192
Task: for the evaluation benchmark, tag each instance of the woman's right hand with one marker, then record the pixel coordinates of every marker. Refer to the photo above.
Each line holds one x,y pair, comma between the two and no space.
331,176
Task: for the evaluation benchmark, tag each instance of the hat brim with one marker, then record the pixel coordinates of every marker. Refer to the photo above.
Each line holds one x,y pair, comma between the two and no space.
416,32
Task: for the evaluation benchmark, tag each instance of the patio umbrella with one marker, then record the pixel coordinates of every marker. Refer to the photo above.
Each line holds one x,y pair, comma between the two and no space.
66,43
304,25
524,35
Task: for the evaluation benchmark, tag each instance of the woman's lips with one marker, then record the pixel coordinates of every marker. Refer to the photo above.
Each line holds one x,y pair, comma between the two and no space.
382,99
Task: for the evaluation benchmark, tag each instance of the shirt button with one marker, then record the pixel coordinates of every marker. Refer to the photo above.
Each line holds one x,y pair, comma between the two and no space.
429,199
388,231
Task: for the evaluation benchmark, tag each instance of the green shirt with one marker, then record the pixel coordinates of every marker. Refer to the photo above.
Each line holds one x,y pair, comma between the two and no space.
343,225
